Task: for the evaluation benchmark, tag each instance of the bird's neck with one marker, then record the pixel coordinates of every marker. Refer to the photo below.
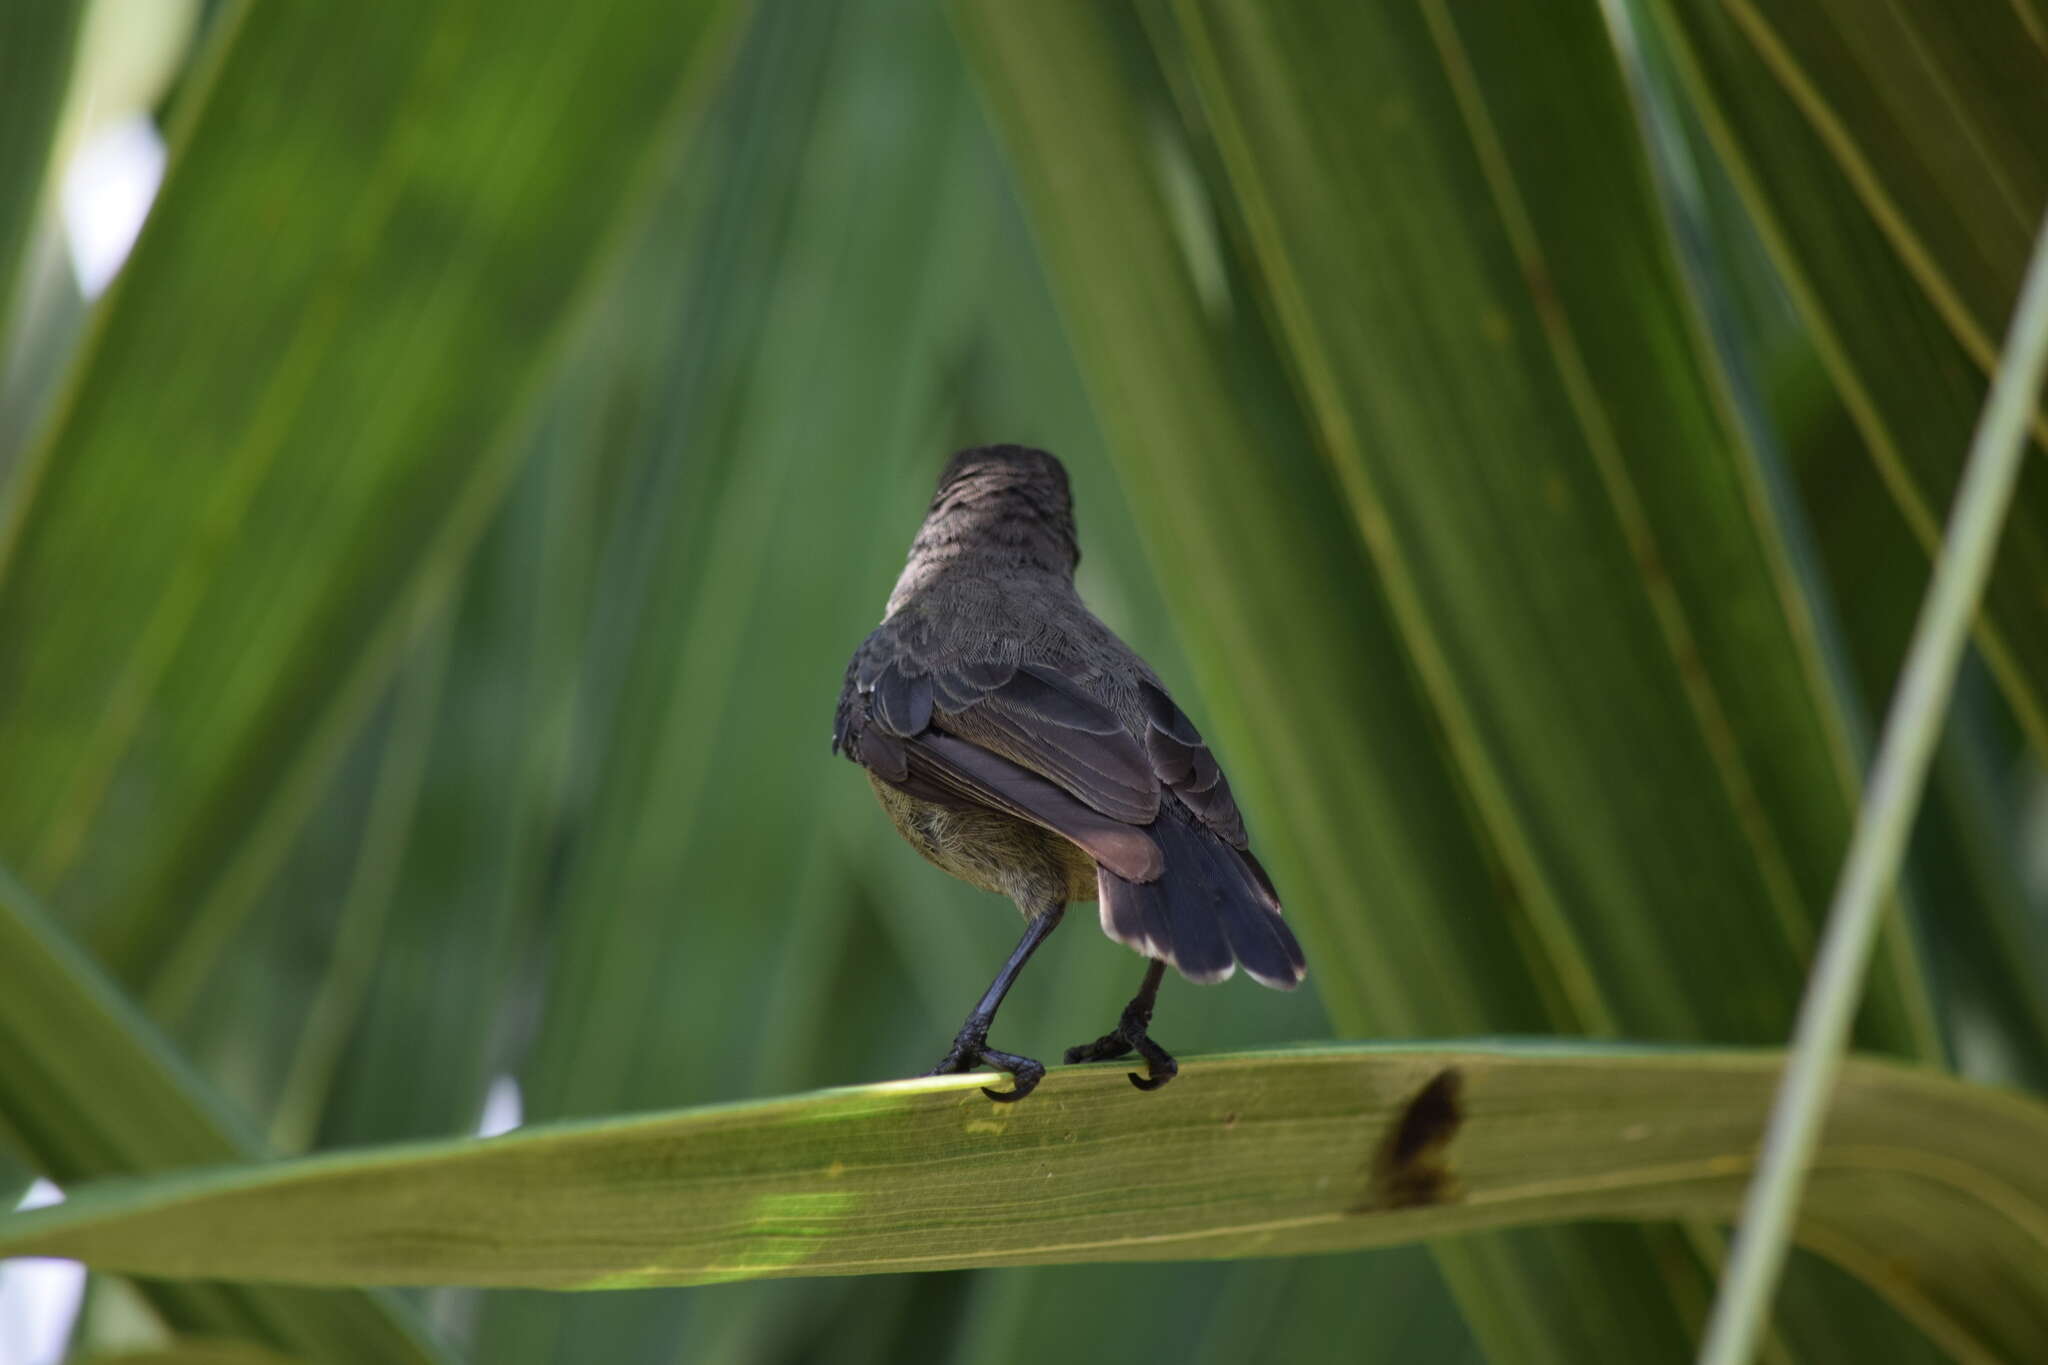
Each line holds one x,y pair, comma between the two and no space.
991,544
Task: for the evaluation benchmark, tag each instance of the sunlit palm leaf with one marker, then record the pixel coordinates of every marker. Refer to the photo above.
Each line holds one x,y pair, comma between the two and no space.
1932,1184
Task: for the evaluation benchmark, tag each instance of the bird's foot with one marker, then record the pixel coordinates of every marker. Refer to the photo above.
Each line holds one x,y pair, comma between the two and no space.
971,1050
1128,1037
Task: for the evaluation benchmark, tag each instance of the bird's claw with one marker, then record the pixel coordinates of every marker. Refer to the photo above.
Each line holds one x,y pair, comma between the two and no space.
1129,1037
1159,1065
971,1050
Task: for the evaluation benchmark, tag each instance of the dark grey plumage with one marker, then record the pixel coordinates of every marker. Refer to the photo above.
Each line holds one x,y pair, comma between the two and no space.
1021,746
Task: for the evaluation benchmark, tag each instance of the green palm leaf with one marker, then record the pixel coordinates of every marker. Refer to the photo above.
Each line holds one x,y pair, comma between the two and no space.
1261,1154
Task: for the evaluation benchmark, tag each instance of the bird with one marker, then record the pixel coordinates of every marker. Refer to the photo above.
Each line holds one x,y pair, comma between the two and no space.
1017,743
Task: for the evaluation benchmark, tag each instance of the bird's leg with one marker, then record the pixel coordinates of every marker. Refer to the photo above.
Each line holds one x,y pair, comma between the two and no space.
1129,1036
970,1048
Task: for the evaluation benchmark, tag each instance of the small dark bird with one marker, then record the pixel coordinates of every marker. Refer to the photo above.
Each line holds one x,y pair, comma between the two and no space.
1021,746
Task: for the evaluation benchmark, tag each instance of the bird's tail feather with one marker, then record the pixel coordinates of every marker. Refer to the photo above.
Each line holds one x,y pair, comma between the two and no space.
1210,910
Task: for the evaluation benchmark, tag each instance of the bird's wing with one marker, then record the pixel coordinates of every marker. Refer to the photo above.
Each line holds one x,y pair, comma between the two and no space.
948,770
886,723
1031,714
1044,721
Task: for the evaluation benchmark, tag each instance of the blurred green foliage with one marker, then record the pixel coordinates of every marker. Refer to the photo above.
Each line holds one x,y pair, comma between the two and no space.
1516,429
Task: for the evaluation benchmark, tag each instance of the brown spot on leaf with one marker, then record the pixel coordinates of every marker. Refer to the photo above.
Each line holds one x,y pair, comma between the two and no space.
1412,1167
